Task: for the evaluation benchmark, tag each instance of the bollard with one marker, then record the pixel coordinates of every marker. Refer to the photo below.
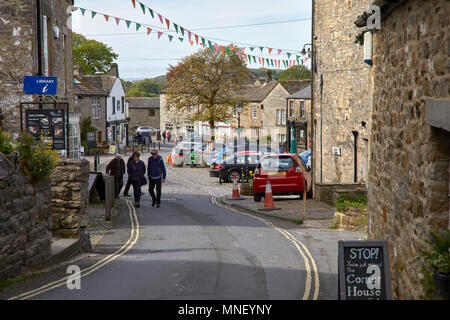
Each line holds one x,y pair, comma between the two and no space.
159,145
304,203
109,196
95,163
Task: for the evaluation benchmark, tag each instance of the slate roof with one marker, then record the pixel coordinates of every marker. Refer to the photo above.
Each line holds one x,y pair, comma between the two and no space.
302,94
255,93
143,102
89,86
292,86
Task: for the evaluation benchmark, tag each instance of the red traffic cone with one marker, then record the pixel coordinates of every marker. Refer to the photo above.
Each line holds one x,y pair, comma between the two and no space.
269,205
235,195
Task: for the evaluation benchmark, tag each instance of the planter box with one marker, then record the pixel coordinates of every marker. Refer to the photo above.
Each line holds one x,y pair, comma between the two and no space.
246,189
442,284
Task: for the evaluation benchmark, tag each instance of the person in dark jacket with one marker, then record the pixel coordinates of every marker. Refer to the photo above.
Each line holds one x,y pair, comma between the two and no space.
127,187
156,172
136,170
116,168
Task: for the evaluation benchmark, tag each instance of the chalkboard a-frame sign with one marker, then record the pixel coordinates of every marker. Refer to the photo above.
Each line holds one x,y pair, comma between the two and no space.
363,270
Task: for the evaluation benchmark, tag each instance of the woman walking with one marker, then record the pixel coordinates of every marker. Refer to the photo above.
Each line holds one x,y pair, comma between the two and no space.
136,170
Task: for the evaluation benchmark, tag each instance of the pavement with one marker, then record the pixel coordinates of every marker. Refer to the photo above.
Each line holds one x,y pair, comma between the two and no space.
319,214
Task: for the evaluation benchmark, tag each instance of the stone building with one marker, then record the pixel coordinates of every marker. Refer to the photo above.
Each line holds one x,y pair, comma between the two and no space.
35,40
408,189
340,101
274,107
143,111
90,99
299,117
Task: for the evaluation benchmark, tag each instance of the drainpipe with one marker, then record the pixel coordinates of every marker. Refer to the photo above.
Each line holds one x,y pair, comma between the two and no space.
321,122
355,157
39,36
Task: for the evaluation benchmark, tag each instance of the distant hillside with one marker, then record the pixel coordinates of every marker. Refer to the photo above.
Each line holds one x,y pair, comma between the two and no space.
144,88
261,73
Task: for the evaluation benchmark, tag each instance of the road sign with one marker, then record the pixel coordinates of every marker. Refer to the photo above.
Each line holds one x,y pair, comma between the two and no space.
363,270
40,85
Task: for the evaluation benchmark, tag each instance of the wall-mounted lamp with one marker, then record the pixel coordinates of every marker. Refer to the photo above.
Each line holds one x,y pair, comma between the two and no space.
55,32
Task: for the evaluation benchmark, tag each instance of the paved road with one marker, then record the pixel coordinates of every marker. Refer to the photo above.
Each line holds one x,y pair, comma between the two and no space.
192,248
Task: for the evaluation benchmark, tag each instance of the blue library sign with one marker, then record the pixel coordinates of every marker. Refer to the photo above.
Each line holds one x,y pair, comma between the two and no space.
40,85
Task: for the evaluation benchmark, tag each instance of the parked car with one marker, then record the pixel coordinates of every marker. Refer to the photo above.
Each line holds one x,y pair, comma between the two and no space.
244,160
218,156
145,129
178,152
306,157
288,175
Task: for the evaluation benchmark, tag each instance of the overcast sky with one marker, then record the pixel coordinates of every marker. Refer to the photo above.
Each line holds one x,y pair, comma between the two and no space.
142,56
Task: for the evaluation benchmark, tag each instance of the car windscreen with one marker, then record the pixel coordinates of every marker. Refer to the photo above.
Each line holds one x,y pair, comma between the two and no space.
277,164
243,159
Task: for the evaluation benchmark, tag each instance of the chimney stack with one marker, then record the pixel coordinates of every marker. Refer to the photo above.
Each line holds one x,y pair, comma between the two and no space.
114,71
268,75
78,71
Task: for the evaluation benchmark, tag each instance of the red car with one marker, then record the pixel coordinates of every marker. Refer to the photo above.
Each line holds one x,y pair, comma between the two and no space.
288,175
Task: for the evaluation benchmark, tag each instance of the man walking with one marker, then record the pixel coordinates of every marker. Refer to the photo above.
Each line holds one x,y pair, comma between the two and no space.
129,182
164,136
156,174
137,175
116,168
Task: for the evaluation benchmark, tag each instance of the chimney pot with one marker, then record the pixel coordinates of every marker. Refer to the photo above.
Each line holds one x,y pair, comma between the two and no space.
114,71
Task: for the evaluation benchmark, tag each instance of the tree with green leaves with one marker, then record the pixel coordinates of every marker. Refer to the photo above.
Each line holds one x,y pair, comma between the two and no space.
295,73
93,56
205,83
145,88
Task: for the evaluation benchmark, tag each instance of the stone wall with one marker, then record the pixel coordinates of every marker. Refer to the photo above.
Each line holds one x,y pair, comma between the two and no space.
344,98
140,117
329,192
18,54
409,172
70,197
25,221
276,100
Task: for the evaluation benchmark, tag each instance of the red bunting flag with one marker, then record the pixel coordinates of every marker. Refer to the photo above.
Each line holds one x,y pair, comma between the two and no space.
159,34
117,20
191,42
189,35
259,60
279,51
222,49
148,31
262,61
196,38
306,59
160,18
134,3
168,23
270,50
106,17
217,47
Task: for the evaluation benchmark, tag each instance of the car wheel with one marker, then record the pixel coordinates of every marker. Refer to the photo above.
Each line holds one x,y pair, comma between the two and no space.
257,197
230,176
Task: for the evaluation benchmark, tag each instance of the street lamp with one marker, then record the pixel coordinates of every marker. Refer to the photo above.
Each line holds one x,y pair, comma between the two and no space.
239,110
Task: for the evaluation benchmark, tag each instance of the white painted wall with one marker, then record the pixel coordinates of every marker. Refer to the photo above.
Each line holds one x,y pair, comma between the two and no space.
118,92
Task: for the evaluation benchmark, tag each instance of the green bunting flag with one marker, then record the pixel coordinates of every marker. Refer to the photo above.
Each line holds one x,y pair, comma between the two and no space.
176,27
137,26
181,39
93,14
142,7
228,51
170,38
128,23
151,12
251,49
288,54
261,48
82,11
182,31
204,42
254,59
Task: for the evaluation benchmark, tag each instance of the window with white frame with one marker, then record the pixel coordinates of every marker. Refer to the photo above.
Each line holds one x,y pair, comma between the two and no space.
291,108
96,105
302,109
254,112
281,138
281,117
113,105
118,105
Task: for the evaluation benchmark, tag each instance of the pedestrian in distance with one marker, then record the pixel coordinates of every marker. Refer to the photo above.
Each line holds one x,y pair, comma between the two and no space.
168,136
137,174
156,171
116,168
164,136
127,187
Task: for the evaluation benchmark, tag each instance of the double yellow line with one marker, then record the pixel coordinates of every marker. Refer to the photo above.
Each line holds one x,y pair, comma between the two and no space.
301,248
134,236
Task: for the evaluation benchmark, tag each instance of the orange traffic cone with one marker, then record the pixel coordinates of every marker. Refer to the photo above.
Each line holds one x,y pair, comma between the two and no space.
235,195
268,199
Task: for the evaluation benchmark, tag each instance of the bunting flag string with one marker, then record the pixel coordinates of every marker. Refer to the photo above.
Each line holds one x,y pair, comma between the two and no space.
236,51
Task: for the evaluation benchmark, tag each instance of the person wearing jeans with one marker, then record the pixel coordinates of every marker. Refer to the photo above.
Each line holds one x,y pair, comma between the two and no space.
156,172
136,171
